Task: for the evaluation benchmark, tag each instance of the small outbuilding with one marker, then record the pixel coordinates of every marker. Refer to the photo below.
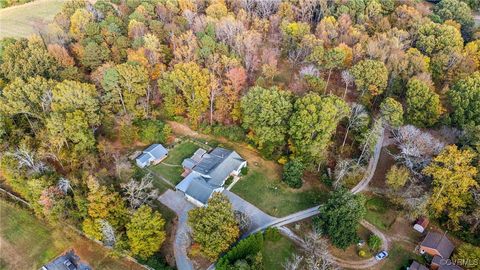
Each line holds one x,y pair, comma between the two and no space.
421,225
437,244
67,261
154,154
416,266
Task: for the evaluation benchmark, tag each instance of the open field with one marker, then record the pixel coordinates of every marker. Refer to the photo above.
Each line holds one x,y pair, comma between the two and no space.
28,243
18,21
171,168
274,197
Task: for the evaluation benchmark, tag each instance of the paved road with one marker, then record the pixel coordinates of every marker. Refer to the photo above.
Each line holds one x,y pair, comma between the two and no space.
176,201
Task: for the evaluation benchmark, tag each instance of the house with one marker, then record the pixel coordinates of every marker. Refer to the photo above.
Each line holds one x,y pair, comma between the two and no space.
416,266
421,225
439,263
67,261
437,244
206,173
154,154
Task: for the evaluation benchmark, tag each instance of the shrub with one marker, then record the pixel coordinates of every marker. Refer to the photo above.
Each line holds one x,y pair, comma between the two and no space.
229,181
292,173
244,171
362,253
249,246
272,234
374,242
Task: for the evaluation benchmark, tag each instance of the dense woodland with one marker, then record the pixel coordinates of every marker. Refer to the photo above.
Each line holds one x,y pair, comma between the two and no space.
311,84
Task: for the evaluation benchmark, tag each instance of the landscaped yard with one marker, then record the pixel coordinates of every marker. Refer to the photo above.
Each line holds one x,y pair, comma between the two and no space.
274,197
380,212
275,253
171,168
27,243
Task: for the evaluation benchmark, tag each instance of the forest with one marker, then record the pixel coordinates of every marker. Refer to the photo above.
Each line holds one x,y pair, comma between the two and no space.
309,84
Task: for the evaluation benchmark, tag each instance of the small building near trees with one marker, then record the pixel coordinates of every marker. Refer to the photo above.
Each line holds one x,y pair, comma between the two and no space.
154,154
67,261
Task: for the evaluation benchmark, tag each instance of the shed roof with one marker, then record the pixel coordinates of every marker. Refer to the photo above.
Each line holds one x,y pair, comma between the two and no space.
439,242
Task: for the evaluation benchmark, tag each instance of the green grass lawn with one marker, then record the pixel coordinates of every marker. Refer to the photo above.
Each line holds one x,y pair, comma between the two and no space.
273,196
28,243
275,253
380,212
399,258
18,21
175,157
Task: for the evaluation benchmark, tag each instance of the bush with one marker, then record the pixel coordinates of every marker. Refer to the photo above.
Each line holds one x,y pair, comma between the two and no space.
245,248
292,173
362,253
156,262
153,131
244,171
374,242
229,181
272,234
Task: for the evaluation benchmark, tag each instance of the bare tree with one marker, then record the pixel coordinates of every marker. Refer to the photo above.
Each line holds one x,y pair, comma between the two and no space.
108,233
28,158
64,185
344,168
348,79
371,140
139,192
317,256
293,263
358,117
243,221
227,28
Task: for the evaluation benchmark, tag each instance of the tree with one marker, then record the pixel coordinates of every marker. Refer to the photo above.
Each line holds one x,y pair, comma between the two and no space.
423,104
332,59
139,192
453,176
214,226
94,55
392,112
458,11
293,173
188,86
397,177
468,256
145,232
313,122
340,217
265,114
78,23
374,242
371,76
434,38
464,97
28,58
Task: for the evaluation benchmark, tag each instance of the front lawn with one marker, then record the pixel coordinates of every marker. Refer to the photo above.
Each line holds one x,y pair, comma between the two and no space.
380,212
171,168
275,253
400,258
28,243
274,197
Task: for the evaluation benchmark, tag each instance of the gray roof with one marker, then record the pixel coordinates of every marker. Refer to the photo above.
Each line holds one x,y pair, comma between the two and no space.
156,150
69,258
440,242
218,164
143,158
416,266
188,163
197,156
200,189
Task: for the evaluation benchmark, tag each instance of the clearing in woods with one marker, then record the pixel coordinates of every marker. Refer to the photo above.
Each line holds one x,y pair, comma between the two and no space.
19,21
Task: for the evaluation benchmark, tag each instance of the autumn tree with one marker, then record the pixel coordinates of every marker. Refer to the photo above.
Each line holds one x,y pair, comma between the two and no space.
370,77
214,226
458,11
453,176
436,38
464,98
333,58
145,232
186,89
340,216
392,112
265,115
397,177
467,255
313,122
423,104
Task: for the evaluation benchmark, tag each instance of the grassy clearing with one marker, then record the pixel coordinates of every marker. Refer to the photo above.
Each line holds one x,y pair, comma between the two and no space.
275,253
400,258
274,197
28,243
18,21
171,167
380,212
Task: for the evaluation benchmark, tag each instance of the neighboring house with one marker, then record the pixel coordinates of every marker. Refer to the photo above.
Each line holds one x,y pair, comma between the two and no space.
206,173
439,263
154,154
421,225
437,244
416,266
67,261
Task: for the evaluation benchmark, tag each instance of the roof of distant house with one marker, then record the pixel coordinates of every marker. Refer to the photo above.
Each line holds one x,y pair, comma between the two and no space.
440,242
416,266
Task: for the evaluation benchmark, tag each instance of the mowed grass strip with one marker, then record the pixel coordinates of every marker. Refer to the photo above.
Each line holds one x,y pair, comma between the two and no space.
274,197
19,21
172,169
28,243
